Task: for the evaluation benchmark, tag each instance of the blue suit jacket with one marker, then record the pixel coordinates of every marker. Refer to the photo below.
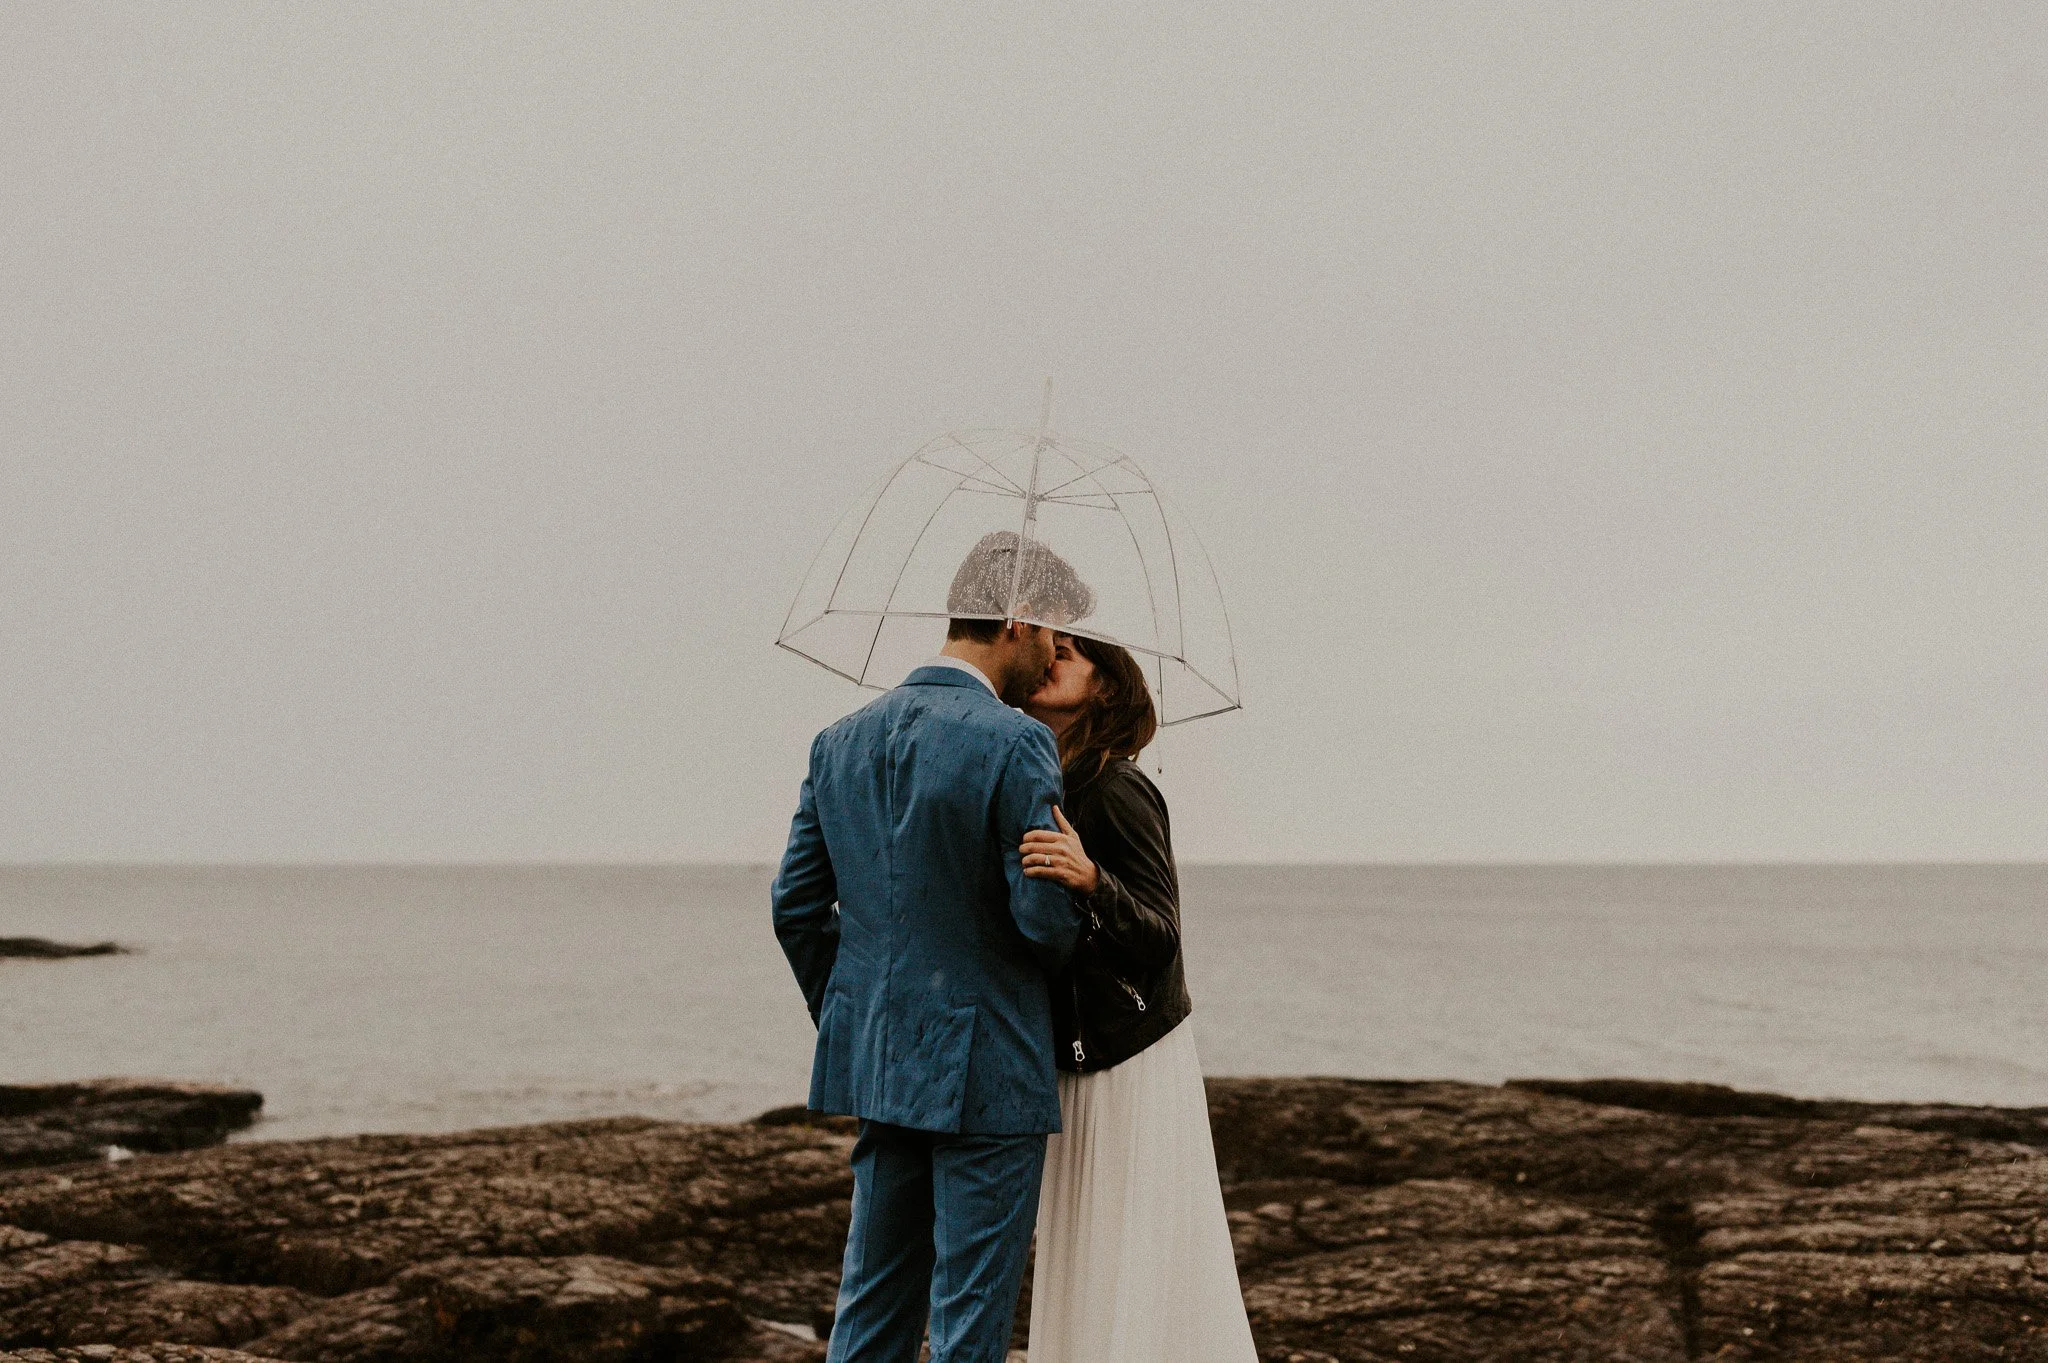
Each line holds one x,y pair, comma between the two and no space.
929,980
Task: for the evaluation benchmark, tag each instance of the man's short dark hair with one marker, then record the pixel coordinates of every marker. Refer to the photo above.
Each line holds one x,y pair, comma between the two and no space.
980,631
1047,587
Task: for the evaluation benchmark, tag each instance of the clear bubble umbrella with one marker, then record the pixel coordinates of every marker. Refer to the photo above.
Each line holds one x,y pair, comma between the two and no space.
1018,525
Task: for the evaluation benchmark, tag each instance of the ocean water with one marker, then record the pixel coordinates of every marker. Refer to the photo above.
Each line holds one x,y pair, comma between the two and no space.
427,999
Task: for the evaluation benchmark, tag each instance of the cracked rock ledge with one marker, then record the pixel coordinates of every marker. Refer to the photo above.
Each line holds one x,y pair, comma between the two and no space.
1541,1220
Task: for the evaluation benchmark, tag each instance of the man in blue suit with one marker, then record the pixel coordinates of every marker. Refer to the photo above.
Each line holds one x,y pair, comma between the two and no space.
924,953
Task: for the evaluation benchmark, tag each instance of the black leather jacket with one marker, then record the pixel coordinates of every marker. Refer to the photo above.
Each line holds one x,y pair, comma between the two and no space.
1124,988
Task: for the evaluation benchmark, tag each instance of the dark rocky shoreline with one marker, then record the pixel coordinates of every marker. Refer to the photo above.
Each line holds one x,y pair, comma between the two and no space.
1543,1220
66,1123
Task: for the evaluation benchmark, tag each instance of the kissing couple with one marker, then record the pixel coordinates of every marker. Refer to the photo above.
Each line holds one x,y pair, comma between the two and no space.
980,904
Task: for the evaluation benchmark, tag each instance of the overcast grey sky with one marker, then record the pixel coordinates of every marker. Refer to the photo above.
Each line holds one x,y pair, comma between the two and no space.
1620,428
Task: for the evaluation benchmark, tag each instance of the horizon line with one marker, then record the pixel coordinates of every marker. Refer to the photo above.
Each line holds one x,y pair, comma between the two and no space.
1245,864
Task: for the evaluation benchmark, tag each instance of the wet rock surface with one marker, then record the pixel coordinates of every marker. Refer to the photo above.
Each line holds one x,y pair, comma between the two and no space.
1639,1221
114,1310
1608,1220
65,1123
582,1306
623,1239
1949,1267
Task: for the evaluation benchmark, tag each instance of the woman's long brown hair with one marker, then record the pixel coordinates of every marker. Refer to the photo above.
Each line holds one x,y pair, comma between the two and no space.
1119,722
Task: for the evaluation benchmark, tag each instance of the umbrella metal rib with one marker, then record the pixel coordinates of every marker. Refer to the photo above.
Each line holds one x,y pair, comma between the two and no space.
1090,516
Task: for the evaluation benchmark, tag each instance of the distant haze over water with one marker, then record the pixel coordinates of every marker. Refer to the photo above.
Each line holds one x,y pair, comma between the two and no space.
1618,427
438,998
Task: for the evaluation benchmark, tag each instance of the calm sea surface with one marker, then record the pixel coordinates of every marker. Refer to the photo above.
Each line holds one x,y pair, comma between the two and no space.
436,999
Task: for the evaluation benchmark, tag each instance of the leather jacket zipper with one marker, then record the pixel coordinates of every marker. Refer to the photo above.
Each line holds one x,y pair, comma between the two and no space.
1136,997
1080,1051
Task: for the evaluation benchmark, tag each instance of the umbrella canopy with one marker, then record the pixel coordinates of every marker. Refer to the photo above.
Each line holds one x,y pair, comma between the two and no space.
1018,525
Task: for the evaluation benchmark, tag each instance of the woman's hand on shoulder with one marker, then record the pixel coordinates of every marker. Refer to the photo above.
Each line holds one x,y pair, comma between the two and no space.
1058,855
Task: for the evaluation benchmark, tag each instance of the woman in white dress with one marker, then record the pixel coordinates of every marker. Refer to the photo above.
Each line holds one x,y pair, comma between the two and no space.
1134,1259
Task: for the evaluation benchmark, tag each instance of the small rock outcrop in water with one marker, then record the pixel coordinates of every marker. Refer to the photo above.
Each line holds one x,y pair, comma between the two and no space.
1611,1220
43,949
62,1123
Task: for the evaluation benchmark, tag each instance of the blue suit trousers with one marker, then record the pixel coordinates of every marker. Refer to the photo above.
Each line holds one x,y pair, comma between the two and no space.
941,1229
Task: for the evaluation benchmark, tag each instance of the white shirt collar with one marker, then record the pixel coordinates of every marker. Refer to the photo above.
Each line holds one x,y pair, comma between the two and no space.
944,660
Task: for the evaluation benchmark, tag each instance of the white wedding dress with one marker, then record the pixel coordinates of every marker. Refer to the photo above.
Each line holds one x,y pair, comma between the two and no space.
1134,1259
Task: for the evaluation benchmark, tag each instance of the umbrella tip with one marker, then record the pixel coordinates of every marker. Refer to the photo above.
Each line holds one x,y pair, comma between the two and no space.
1045,408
